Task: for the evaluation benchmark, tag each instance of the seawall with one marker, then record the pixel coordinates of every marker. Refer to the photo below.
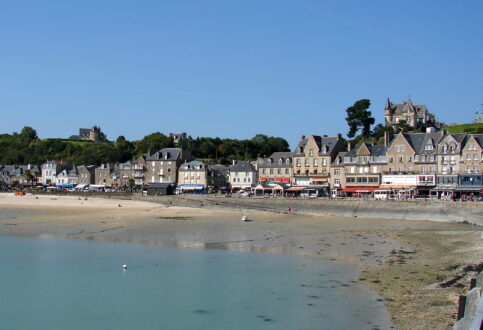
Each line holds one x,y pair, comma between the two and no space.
434,210
472,308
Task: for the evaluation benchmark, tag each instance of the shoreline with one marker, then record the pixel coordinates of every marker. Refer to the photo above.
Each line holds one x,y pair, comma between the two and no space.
401,260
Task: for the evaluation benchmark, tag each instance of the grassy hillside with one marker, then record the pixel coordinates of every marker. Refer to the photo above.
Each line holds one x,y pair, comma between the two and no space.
466,128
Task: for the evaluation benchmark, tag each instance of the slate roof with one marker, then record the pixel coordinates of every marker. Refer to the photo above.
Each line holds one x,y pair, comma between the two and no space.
193,166
301,144
459,137
322,141
479,139
90,168
124,166
106,166
405,107
275,157
418,141
73,171
171,153
375,150
242,166
20,170
219,169
339,156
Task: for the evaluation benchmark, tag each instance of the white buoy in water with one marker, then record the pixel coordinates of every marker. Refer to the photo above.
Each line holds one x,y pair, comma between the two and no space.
124,266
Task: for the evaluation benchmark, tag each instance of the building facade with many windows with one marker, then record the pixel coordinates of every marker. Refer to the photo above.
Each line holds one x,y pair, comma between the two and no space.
312,159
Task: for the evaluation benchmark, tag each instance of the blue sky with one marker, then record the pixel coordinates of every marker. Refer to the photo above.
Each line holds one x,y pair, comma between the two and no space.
233,68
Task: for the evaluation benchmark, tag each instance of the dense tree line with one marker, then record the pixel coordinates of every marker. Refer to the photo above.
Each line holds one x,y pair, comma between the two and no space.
25,147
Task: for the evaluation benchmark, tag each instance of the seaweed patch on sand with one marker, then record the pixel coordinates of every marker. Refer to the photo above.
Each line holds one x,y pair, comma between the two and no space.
175,218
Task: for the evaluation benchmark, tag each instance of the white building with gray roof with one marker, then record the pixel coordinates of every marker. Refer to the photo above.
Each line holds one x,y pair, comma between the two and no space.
242,176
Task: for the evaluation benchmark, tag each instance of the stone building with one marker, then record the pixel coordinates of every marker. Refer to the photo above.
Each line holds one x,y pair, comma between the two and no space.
395,113
139,170
312,159
470,180
363,168
104,174
91,134
86,175
411,162
337,174
276,169
449,163
178,138
242,176
193,177
163,165
51,169
10,174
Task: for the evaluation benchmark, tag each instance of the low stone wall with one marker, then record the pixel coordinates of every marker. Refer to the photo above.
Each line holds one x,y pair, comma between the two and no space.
434,210
113,195
472,311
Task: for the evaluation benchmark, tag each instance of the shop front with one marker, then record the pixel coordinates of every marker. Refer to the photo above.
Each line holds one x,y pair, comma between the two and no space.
359,191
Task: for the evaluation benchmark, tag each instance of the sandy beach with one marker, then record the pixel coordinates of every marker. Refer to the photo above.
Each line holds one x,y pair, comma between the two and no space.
419,267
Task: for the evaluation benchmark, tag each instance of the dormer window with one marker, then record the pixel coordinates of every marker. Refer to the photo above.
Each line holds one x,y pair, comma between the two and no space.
429,147
287,161
280,161
269,161
311,152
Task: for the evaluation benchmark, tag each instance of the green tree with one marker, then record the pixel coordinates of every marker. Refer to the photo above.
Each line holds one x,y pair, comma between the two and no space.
29,177
28,133
403,126
359,118
131,184
152,143
125,149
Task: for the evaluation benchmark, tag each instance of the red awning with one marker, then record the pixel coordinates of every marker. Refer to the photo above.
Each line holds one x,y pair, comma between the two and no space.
278,179
263,179
359,189
286,180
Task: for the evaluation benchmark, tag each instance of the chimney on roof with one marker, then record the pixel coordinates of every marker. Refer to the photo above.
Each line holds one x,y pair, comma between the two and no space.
349,146
387,138
302,137
339,136
233,163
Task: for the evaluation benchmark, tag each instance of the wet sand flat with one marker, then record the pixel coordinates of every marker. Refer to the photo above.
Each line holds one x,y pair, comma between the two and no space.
420,267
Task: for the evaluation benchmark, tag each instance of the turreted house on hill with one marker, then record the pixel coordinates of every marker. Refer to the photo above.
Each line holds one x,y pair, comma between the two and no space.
412,114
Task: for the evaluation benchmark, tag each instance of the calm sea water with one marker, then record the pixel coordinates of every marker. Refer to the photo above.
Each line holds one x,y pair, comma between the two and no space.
61,284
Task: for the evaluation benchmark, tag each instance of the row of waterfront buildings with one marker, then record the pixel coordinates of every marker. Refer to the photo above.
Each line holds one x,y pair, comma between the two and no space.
433,163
